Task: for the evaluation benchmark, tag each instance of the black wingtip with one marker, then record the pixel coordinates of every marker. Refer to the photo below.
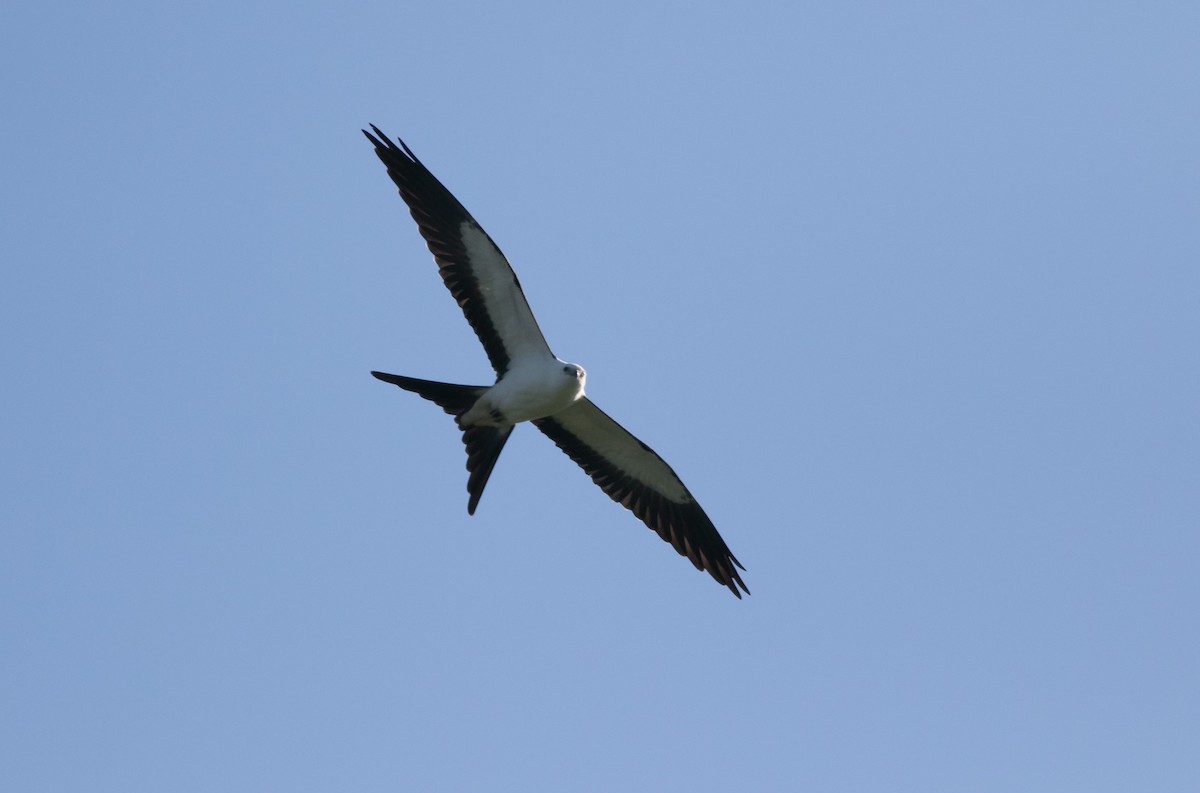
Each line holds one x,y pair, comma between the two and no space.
732,581
379,140
376,141
393,379
735,583
383,143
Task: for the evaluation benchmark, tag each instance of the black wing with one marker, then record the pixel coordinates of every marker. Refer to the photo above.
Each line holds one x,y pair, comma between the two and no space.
633,475
473,268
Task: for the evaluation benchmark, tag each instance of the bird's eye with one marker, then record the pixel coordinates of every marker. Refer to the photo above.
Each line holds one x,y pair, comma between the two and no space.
567,369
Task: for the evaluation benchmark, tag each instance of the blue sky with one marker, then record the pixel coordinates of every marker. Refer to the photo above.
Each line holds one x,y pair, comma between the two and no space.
909,296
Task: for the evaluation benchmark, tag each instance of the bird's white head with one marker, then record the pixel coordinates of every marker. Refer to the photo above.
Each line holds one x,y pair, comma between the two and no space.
576,372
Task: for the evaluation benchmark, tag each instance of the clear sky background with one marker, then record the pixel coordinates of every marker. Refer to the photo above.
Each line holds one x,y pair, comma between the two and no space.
909,296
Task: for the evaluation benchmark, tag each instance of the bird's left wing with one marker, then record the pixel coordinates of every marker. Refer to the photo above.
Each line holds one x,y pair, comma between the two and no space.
472,267
633,475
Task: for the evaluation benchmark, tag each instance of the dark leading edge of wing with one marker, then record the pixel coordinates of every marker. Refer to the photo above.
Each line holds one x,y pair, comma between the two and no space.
634,476
449,229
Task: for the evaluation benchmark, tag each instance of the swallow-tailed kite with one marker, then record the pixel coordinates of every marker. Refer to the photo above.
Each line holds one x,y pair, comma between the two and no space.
532,384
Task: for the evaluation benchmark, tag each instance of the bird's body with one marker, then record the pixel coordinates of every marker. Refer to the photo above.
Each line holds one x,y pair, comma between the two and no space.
532,384
533,388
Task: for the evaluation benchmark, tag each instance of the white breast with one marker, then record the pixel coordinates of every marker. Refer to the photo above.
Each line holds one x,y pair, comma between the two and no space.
530,389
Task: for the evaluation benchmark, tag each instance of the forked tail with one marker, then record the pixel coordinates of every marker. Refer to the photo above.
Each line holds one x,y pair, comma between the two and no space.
484,444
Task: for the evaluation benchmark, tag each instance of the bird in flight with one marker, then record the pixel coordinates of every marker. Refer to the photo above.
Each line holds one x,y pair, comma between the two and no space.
532,384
